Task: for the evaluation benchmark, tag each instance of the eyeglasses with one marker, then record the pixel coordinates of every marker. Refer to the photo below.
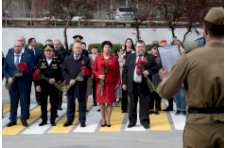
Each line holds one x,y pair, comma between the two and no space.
155,48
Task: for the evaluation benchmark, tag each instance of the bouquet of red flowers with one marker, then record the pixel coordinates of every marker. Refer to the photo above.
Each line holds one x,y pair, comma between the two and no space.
105,65
37,75
124,57
140,64
20,68
84,72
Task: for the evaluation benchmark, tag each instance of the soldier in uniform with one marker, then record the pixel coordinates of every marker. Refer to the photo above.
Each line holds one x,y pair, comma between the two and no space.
202,72
49,67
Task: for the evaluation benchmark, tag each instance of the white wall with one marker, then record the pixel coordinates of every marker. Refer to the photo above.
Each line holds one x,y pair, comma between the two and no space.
9,35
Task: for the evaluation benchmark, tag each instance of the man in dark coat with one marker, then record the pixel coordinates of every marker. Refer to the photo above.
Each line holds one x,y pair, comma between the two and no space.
70,70
135,83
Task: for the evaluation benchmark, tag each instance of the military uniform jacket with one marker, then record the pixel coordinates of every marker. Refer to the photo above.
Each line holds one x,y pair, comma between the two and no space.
50,71
202,71
70,69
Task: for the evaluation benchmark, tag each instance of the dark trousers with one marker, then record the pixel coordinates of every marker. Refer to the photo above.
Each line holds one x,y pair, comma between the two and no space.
124,101
155,99
49,90
94,89
60,97
37,94
28,98
15,96
171,103
144,98
71,103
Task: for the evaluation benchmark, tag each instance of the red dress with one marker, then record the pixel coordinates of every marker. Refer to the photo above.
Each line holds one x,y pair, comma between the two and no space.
112,78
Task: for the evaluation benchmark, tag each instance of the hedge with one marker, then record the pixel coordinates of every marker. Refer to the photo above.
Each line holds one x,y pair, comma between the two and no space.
38,46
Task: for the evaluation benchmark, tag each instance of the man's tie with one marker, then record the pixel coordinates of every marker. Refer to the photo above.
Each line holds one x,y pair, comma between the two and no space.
76,58
17,60
138,69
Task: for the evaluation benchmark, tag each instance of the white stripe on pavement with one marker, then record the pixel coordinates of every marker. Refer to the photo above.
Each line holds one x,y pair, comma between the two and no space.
92,121
138,126
6,120
36,129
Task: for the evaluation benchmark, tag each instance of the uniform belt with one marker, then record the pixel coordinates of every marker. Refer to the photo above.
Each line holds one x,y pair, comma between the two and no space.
210,110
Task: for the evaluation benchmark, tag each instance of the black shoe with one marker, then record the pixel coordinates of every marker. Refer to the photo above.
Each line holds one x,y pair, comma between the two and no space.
146,126
103,125
108,125
11,124
40,116
124,111
168,109
56,115
82,125
59,107
39,103
24,123
98,110
42,123
156,112
130,125
67,124
87,111
53,123
95,104
151,111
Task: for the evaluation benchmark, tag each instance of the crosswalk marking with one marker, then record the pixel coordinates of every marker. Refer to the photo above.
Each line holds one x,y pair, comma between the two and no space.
116,121
36,129
160,122
92,121
34,115
138,126
178,121
59,128
5,108
6,119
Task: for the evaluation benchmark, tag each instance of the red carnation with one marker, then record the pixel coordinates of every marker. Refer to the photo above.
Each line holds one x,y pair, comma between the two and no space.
124,57
85,70
63,83
140,63
35,74
23,66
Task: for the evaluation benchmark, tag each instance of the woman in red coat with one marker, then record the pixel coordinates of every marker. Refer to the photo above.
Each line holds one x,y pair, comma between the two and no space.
111,80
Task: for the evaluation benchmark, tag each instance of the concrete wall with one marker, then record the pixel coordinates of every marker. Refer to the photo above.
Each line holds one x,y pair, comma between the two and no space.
9,35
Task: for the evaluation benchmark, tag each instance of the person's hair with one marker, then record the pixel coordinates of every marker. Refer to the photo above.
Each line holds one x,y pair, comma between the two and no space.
175,37
214,30
155,42
48,40
30,40
132,46
117,50
58,41
83,43
140,42
94,48
106,43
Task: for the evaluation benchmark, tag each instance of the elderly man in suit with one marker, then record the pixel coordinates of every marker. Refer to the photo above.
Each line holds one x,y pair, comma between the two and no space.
71,68
135,83
37,53
21,85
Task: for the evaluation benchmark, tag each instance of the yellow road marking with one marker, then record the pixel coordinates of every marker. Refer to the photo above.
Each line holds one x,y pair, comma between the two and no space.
160,122
116,121
34,115
6,108
59,128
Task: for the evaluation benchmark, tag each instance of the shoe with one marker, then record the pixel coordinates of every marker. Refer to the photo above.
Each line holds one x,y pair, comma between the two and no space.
177,112
146,126
98,110
156,112
108,125
130,125
82,125
78,110
103,125
40,116
11,124
95,104
53,123
24,123
39,103
124,111
67,124
151,111
56,115
87,111
59,107
168,109
184,113
42,123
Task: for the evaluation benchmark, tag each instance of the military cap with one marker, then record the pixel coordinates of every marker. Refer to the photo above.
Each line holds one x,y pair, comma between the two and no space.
215,16
48,47
77,38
